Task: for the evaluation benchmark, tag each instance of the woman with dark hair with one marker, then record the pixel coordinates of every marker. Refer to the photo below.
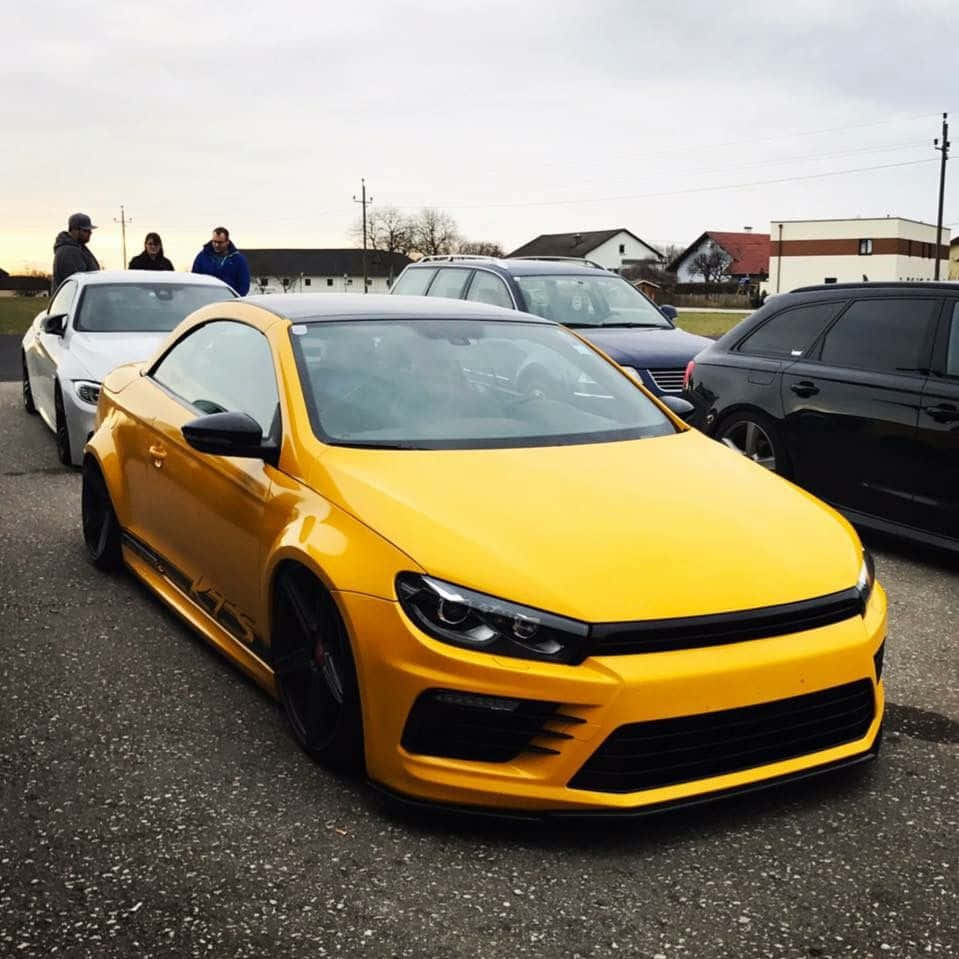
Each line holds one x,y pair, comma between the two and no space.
152,257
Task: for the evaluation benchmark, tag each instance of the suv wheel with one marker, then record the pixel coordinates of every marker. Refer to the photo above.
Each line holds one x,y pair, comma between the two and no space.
755,436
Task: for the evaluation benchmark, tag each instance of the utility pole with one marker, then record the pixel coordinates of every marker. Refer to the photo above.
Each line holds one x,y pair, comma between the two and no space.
364,201
944,150
123,221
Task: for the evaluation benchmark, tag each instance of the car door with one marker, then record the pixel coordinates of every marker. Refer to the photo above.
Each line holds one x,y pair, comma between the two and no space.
43,354
851,406
207,520
936,474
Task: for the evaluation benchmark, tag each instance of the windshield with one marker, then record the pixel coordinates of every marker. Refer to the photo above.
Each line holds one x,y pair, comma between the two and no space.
143,307
589,301
461,384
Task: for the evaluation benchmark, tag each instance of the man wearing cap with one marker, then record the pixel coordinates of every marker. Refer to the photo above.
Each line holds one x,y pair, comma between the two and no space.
220,258
70,252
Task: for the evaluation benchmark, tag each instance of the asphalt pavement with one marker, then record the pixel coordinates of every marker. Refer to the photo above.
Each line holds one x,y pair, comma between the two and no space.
154,804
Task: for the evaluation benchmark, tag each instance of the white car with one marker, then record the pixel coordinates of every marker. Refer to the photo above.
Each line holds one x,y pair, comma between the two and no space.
94,322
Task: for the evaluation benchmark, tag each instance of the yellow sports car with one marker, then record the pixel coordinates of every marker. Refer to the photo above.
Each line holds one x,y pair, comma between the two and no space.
470,554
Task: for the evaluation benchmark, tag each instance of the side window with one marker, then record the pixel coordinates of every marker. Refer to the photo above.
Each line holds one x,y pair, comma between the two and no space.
952,356
487,288
413,282
223,366
450,282
64,299
888,335
791,332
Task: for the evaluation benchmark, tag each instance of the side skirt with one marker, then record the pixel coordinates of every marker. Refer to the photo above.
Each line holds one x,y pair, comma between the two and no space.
220,628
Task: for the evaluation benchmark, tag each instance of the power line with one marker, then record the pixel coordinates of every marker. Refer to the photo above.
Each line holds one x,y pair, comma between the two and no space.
699,144
665,193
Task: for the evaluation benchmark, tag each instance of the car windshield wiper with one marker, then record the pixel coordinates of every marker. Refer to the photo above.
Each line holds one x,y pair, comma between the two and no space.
629,325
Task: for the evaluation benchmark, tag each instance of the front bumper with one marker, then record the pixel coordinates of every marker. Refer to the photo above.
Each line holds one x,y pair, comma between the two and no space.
81,418
397,664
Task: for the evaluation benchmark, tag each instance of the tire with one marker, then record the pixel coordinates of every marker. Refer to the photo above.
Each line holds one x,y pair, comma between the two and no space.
101,529
754,435
62,432
315,671
28,403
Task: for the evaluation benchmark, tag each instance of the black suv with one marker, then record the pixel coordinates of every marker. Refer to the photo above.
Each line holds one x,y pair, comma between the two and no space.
852,390
602,306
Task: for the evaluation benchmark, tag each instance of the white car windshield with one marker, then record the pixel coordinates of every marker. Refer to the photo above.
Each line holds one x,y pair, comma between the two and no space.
143,307
461,384
588,301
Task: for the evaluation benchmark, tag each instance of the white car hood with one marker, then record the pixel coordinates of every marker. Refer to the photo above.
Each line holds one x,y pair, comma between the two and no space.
98,353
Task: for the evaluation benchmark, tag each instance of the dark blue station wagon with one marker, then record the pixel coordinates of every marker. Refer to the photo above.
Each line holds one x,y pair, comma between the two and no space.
605,308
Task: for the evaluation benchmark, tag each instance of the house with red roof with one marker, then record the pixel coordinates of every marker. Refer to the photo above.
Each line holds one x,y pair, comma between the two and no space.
741,256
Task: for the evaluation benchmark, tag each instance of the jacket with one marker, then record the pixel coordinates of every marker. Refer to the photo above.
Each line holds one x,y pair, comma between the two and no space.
232,268
143,261
70,256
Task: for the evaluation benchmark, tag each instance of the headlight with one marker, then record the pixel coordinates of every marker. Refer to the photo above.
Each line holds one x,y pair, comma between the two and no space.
87,390
867,578
634,373
473,620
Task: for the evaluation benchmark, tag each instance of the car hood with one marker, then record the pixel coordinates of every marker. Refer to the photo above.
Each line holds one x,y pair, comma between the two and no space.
98,353
669,526
646,347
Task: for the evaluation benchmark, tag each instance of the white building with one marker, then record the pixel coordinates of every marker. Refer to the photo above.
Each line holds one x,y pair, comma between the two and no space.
322,271
807,252
612,249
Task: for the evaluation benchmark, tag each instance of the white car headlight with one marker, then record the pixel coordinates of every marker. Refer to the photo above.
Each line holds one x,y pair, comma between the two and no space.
87,390
634,373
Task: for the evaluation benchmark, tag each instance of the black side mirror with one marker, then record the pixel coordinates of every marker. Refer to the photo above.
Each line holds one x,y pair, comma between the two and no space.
676,404
230,434
56,324
670,312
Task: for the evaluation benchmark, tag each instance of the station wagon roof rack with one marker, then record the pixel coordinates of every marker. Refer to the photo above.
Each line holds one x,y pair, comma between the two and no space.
459,256
565,259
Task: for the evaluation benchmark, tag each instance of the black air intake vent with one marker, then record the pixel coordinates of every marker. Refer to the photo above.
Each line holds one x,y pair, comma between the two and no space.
665,752
491,729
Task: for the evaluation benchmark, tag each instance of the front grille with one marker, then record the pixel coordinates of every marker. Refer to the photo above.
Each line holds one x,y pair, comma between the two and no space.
664,752
716,629
492,729
668,381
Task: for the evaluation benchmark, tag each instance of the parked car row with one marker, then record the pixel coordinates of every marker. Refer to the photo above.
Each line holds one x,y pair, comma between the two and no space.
542,594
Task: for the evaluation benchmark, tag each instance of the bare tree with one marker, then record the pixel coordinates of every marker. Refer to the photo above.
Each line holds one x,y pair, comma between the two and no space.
434,232
710,264
480,248
388,230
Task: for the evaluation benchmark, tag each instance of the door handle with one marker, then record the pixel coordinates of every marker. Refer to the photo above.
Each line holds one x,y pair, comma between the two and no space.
805,388
943,413
159,455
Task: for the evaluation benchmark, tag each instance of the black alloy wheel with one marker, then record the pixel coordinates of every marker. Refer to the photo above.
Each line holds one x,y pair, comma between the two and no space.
63,434
28,403
755,436
315,672
101,529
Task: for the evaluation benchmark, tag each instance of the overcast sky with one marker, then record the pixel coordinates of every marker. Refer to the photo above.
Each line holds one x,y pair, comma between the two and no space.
516,118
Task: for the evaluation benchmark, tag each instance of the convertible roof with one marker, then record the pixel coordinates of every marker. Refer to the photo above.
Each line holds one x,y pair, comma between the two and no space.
316,307
98,277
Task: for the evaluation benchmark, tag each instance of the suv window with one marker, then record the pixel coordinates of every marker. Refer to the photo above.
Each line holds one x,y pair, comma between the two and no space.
449,282
414,282
223,366
487,288
791,332
952,357
888,335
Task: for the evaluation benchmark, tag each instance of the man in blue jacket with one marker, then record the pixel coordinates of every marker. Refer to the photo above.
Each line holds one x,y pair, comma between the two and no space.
220,258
